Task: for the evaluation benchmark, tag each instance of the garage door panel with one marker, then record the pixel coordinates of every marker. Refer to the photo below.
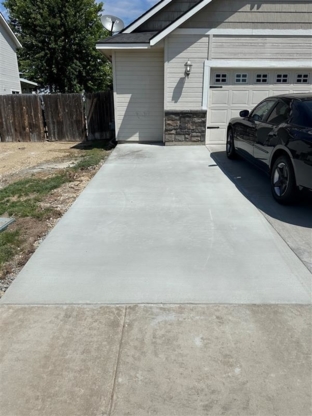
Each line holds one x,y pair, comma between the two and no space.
220,97
218,116
240,97
258,95
217,135
242,89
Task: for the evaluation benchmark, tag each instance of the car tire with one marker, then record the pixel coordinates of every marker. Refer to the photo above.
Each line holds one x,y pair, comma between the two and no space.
230,148
283,181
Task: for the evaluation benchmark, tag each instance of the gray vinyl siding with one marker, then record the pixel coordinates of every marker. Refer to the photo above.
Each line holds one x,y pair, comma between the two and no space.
9,74
262,47
139,95
241,14
184,93
168,14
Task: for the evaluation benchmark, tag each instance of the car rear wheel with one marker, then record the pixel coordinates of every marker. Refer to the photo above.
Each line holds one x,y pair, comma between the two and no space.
230,149
283,182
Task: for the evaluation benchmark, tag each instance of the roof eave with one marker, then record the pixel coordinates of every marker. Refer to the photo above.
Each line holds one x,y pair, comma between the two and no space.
10,32
112,46
145,16
178,22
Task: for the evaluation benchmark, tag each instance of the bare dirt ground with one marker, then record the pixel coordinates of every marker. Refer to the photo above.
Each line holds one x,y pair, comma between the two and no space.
40,160
17,158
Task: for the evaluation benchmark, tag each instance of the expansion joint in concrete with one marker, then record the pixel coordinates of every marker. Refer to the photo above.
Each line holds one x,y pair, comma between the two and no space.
117,362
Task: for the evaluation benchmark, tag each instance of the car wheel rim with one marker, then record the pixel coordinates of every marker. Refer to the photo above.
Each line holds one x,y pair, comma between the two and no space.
229,144
281,179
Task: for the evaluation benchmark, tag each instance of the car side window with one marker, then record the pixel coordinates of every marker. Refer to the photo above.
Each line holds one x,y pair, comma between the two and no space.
280,113
302,114
260,112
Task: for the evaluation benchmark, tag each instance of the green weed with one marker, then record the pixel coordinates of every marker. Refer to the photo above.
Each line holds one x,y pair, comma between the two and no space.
22,198
92,158
9,242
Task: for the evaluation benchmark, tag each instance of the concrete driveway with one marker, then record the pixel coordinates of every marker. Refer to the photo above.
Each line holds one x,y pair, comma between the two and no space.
162,225
163,291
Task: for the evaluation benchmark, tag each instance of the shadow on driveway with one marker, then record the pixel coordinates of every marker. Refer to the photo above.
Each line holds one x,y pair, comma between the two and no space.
255,186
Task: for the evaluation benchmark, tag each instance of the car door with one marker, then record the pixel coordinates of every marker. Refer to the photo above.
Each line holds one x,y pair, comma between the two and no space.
250,125
267,132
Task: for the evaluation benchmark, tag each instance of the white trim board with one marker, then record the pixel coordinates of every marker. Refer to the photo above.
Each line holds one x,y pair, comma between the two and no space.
108,46
146,16
179,22
10,32
245,32
222,63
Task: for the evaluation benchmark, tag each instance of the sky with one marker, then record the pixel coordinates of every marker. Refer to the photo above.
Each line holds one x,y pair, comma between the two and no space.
127,10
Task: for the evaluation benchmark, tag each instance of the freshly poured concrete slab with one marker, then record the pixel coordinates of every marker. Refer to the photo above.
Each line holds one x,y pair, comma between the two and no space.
215,360
58,360
162,225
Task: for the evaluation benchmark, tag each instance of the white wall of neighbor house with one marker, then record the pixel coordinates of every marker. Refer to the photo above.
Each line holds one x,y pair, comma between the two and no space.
266,14
9,73
181,92
139,95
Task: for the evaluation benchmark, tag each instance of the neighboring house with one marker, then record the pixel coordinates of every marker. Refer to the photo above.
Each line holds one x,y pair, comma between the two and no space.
9,74
240,51
28,87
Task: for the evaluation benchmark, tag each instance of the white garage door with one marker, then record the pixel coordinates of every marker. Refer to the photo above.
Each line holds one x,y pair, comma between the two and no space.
234,90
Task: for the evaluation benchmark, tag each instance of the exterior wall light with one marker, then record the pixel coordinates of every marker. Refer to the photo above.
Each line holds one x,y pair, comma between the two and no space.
188,67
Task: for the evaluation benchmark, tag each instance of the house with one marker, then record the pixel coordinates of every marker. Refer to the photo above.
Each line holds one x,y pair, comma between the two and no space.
28,87
185,67
9,74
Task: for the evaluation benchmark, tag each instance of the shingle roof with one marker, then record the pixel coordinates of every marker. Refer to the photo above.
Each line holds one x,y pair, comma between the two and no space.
142,37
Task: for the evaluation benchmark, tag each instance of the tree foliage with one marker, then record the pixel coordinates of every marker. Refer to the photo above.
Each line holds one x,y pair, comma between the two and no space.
58,39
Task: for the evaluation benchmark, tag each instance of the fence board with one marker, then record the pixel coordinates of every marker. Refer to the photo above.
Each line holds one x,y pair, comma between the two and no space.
64,116
100,115
21,118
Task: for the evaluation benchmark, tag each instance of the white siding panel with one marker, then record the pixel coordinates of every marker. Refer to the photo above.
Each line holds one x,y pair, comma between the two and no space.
185,93
268,14
9,74
139,95
261,47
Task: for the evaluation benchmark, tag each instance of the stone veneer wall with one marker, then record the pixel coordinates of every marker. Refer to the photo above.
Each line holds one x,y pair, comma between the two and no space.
183,127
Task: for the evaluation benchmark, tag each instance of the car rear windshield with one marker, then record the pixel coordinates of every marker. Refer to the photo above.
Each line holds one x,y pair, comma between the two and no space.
302,113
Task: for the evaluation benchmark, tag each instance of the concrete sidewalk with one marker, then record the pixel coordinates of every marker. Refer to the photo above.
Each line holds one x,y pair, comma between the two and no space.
162,225
235,360
220,318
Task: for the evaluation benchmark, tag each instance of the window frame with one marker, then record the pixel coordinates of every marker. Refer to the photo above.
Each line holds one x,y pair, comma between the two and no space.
241,74
261,79
302,74
281,82
221,74
274,101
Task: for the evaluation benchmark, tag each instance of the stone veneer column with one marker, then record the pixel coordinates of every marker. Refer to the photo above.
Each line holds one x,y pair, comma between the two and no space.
185,127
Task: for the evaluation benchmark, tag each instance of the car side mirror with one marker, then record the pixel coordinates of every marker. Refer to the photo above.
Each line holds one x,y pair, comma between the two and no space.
244,113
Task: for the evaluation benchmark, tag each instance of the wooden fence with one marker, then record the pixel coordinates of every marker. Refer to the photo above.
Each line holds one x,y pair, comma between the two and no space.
100,115
59,117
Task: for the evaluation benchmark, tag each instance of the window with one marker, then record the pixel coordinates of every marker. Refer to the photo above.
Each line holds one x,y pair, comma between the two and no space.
302,78
260,112
282,78
15,92
262,78
279,114
221,78
302,113
241,78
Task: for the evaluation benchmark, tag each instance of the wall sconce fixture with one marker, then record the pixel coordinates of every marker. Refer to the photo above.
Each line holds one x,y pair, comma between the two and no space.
188,67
